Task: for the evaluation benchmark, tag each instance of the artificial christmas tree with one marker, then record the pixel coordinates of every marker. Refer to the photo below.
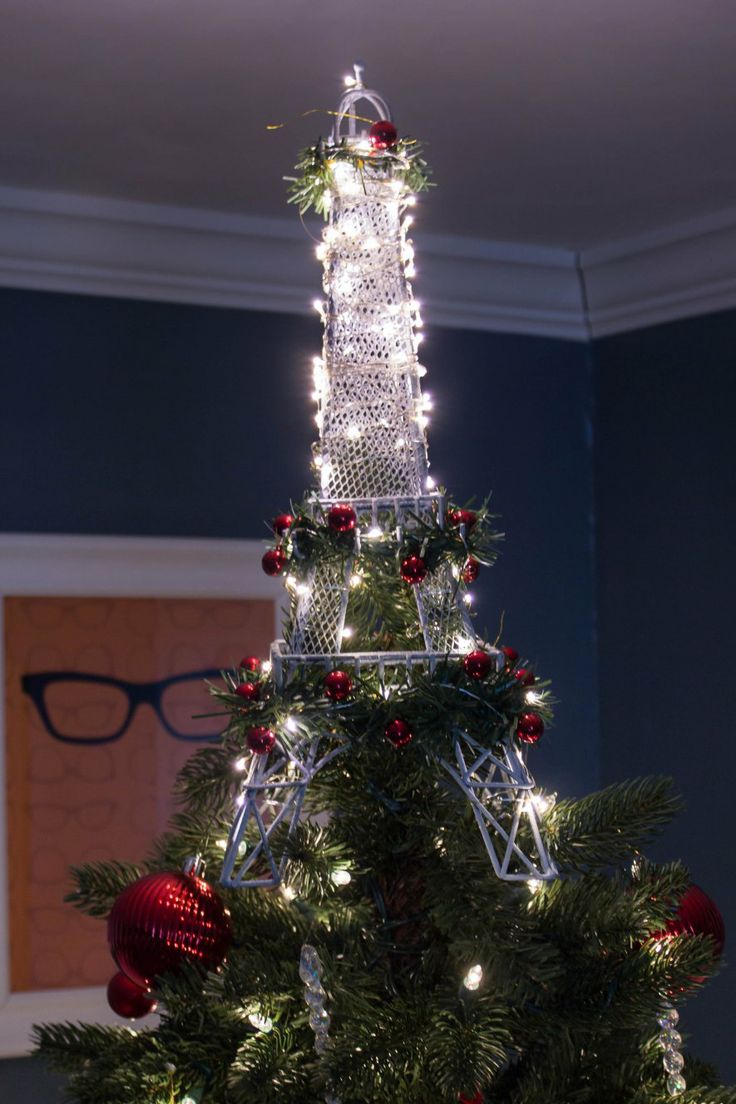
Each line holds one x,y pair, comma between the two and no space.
410,920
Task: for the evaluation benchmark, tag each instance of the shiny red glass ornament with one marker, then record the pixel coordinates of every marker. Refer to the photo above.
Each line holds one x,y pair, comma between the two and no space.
698,914
282,524
529,728
399,733
457,517
164,920
383,134
476,1099
471,570
478,664
274,561
128,999
525,677
338,685
249,690
250,663
511,654
260,739
341,518
413,569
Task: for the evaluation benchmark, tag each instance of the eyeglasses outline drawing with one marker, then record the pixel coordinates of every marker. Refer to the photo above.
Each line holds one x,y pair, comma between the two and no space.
137,693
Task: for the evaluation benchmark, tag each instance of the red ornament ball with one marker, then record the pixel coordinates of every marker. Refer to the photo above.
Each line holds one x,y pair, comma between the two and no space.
341,518
511,654
471,570
529,728
525,677
338,685
128,999
383,135
457,517
476,1099
478,664
698,914
164,920
248,690
274,561
413,569
282,524
399,733
250,663
260,739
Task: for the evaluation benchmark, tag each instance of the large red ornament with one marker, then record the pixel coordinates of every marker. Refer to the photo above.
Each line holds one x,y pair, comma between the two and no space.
260,739
341,518
248,690
165,920
338,685
471,571
511,654
413,569
399,733
274,561
698,914
128,999
250,663
529,728
478,664
457,517
383,135
282,524
525,677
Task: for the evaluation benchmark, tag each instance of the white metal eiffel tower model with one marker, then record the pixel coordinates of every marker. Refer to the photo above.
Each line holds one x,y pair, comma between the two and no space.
372,456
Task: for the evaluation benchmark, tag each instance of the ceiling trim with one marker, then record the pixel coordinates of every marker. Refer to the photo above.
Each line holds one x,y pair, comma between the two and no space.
90,245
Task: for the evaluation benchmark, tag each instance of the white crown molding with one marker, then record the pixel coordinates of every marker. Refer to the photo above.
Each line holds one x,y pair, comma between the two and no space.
55,241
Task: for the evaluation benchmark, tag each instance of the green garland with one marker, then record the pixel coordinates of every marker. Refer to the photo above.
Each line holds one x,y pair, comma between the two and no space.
313,185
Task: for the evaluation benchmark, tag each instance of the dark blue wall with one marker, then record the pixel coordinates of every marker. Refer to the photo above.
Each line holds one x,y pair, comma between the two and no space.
143,418
665,496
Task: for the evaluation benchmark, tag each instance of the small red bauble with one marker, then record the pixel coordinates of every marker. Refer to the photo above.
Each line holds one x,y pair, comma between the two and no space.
413,569
248,690
383,135
524,677
338,685
341,518
399,733
529,728
250,663
698,914
260,739
274,561
476,1099
471,571
282,524
467,518
478,664
165,920
128,999
511,654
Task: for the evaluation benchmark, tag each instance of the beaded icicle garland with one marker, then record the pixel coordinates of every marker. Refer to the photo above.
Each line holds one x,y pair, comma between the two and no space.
310,971
670,1040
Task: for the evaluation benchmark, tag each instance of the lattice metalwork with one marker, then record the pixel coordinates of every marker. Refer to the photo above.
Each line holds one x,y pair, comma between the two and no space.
320,613
499,787
445,623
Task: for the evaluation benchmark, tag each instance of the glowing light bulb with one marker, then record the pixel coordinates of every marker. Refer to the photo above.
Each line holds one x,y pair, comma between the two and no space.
222,844
302,589
356,580
341,877
421,370
430,483
534,885
353,433
266,667
261,1023
468,599
533,697
291,724
374,533
411,200
400,442
288,892
347,632
320,251
240,764
473,978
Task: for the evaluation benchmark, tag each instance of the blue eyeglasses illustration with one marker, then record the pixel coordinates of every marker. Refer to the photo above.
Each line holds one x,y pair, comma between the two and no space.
80,708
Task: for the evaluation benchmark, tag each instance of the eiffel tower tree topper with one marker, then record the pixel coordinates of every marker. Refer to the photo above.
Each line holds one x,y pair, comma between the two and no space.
379,643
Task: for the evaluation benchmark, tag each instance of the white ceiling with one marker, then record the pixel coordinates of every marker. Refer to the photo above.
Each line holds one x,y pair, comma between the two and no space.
560,122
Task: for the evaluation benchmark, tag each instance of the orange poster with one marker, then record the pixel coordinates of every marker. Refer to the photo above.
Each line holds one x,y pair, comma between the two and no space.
101,695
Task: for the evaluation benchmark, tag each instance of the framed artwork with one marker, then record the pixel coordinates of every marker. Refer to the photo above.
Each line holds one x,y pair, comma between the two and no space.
106,644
